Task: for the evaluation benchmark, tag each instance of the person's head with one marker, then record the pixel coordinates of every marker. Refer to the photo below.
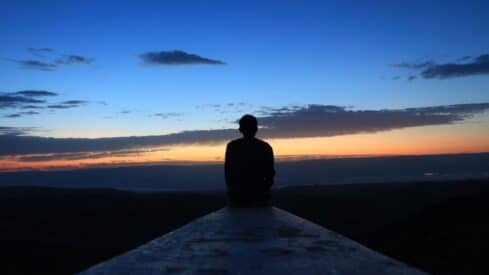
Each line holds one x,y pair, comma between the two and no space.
248,125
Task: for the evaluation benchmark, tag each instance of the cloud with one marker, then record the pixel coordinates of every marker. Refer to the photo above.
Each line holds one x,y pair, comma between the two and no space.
33,64
74,59
34,93
29,113
61,106
225,108
12,100
40,51
415,66
266,111
210,105
36,145
15,131
176,57
464,58
31,107
49,65
12,115
167,115
85,155
324,120
285,122
68,104
74,102
478,66
32,99
125,112
411,77
428,70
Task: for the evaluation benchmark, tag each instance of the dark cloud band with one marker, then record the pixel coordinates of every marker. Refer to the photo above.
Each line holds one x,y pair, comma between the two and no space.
287,122
85,155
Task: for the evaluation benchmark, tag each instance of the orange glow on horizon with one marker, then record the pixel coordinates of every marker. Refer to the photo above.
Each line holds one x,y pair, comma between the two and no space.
446,139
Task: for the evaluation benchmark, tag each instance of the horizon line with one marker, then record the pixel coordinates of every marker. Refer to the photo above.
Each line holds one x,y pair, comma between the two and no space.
279,159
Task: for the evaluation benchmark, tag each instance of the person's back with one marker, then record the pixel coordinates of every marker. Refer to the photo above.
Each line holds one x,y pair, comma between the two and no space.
249,165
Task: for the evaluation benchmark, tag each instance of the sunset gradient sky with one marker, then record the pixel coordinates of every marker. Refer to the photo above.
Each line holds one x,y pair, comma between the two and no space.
90,83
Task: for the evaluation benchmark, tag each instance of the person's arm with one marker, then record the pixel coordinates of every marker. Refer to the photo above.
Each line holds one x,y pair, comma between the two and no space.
270,167
227,166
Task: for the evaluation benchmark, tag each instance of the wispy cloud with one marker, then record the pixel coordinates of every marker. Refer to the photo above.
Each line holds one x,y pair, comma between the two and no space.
209,105
31,107
33,64
34,99
48,64
68,104
12,100
86,155
167,115
176,57
34,93
414,66
411,77
40,51
19,114
15,131
225,108
464,58
74,59
12,116
285,122
465,66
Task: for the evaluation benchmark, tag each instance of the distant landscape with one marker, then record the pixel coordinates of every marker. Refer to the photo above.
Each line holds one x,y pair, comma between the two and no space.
290,173
438,226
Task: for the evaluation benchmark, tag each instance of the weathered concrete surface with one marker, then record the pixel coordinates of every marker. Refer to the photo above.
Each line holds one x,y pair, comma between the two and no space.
251,241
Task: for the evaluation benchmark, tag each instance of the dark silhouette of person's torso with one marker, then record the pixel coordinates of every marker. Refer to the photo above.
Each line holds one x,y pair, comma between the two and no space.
249,170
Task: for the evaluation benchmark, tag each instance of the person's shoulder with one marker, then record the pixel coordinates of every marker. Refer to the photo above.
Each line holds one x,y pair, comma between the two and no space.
234,142
263,143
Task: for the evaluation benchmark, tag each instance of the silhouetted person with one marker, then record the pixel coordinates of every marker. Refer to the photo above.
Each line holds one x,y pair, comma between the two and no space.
249,168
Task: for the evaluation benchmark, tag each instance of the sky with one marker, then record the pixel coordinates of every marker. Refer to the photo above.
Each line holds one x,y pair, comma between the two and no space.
90,83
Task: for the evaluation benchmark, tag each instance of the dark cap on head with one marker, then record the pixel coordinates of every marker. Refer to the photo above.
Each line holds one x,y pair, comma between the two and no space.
248,125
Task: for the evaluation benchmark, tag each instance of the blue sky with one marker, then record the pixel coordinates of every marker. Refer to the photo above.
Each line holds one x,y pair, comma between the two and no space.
276,54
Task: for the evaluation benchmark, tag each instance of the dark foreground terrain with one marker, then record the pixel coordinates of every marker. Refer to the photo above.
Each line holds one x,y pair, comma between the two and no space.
440,227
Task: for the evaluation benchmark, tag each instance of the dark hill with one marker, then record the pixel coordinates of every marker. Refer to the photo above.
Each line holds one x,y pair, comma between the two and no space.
440,227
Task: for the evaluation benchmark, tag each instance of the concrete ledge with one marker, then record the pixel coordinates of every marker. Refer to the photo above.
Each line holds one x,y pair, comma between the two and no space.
251,241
